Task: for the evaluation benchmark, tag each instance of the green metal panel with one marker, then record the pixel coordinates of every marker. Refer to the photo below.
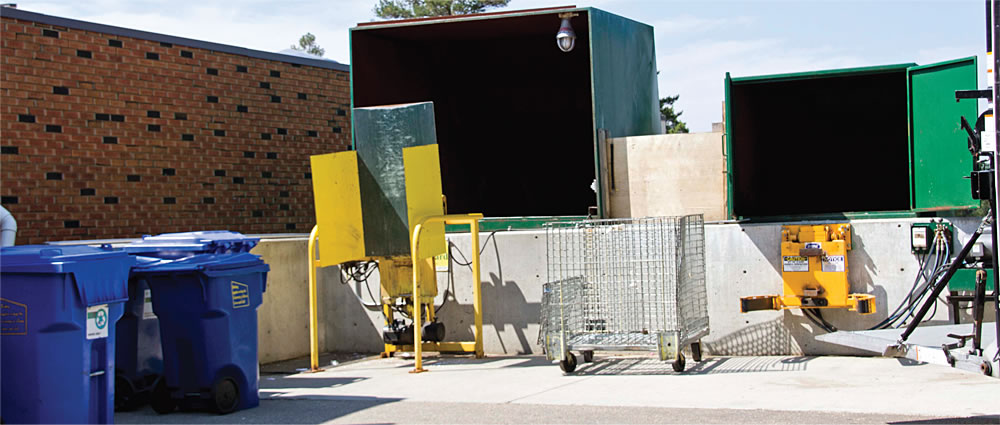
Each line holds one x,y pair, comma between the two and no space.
623,62
623,80
729,149
512,223
832,216
940,159
965,280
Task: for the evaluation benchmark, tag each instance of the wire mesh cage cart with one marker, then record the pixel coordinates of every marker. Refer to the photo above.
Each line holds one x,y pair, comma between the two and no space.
633,284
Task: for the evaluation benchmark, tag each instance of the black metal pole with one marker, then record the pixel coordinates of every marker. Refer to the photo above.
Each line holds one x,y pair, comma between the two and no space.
992,23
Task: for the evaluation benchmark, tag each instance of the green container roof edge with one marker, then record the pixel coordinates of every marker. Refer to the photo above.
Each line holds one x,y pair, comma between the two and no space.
822,73
945,63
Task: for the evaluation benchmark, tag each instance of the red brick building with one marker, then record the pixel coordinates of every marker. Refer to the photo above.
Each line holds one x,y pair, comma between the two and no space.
108,132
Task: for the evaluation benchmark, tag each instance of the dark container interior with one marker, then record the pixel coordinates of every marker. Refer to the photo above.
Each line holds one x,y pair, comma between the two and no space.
514,114
830,144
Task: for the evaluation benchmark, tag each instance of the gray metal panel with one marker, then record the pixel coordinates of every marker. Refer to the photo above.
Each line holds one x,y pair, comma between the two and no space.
924,344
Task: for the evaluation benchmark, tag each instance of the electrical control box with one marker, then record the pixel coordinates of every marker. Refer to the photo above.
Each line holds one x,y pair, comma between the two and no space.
923,235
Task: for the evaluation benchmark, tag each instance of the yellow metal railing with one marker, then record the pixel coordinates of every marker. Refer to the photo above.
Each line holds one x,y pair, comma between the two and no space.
473,221
313,322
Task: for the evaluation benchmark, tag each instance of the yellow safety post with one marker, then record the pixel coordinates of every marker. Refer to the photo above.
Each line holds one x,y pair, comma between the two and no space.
477,286
473,221
313,322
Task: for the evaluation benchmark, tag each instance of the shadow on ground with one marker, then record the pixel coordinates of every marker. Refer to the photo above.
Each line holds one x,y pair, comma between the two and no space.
270,384
714,365
459,360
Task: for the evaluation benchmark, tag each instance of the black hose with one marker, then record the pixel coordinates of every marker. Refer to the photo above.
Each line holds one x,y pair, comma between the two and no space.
818,320
908,302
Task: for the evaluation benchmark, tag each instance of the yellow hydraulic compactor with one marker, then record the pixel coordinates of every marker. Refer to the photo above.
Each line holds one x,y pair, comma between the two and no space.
814,271
380,206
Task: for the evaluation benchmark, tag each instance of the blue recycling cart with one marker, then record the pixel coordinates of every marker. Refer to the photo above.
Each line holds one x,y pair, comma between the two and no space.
138,353
207,309
58,308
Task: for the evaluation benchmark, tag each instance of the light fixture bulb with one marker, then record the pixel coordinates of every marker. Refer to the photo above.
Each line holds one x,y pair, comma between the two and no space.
566,37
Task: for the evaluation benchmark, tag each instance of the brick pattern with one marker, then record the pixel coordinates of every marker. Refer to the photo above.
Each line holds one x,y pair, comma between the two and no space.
107,137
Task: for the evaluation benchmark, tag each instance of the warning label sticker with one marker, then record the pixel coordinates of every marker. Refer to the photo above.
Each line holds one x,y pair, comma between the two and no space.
241,294
833,263
794,263
97,321
13,318
147,306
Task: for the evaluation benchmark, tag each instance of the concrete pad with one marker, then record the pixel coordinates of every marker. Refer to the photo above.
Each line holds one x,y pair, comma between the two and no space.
385,411
616,389
844,384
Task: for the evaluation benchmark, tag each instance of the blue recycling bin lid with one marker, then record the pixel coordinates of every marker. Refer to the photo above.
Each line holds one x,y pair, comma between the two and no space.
209,263
212,265
186,244
101,273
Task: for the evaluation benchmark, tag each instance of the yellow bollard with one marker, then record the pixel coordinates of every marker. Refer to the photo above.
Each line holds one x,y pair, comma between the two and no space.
473,221
417,310
313,322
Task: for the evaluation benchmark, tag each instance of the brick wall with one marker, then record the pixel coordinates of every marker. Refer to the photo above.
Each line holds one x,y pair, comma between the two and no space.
106,136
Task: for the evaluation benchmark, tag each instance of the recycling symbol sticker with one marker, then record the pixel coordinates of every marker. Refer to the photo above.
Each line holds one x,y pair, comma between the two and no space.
102,319
97,321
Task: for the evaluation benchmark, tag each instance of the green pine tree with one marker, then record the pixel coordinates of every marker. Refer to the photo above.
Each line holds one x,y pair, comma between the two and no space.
307,43
405,9
672,119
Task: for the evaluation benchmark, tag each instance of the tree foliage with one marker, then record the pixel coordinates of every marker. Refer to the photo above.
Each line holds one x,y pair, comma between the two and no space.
307,43
671,118
406,9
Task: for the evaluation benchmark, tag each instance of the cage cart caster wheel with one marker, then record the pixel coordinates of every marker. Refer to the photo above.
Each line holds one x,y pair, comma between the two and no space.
588,356
160,399
679,363
986,368
225,395
696,351
568,365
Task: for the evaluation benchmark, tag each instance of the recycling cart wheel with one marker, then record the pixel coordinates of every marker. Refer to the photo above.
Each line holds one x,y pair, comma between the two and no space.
160,399
986,368
588,356
696,351
125,396
679,363
568,365
225,395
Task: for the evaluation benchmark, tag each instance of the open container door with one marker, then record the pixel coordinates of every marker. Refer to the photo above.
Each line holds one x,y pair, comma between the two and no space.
940,159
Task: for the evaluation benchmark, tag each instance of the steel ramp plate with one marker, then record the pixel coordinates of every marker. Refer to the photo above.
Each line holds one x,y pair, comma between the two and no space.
924,344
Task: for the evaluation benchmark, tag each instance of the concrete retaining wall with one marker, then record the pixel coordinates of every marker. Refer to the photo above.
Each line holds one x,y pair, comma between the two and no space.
742,260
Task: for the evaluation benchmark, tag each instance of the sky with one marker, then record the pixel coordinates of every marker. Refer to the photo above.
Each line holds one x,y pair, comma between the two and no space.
697,42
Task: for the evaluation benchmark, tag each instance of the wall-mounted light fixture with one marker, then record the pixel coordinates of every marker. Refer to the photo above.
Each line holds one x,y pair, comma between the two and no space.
566,37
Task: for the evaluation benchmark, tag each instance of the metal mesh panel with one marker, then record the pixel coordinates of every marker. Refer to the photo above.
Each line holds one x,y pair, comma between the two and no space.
617,283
